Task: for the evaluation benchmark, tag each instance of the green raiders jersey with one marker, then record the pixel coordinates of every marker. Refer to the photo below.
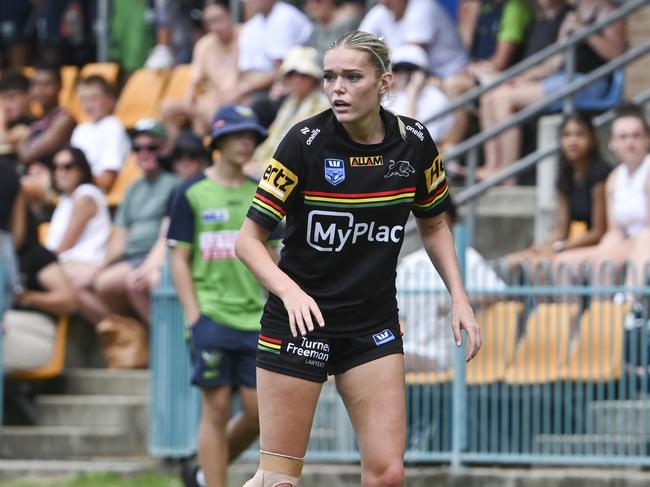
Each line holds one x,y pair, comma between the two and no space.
206,218
346,206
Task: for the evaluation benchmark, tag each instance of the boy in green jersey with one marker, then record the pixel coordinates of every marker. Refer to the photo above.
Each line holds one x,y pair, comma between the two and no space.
222,301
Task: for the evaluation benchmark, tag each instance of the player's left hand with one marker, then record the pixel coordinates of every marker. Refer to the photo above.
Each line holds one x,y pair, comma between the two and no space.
462,318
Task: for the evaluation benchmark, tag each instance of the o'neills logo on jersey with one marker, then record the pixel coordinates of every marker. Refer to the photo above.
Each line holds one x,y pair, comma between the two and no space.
316,353
418,133
331,231
366,161
278,180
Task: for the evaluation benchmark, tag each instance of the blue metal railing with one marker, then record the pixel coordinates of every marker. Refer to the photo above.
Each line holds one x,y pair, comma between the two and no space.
563,375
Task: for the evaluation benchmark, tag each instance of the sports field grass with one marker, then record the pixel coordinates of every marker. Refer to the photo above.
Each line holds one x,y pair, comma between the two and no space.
103,480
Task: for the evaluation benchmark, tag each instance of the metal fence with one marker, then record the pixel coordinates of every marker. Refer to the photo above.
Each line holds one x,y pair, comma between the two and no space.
562,376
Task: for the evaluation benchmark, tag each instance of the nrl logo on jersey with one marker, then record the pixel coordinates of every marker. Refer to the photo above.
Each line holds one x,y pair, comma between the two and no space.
334,171
366,161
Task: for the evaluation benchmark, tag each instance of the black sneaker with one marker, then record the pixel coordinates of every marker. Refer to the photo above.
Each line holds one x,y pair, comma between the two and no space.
189,471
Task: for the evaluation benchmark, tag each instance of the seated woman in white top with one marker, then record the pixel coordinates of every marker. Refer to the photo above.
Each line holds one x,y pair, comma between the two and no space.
627,201
81,223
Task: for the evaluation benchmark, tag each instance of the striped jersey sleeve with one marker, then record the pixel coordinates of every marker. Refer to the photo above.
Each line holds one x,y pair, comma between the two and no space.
432,192
278,186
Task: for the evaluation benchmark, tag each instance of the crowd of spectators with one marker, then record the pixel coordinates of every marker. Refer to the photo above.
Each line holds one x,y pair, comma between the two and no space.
99,260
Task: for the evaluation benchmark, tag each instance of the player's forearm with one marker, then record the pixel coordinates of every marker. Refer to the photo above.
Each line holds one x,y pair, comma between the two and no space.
255,255
184,285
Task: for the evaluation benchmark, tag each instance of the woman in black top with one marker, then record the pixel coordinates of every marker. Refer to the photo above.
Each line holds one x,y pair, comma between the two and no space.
346,180
581,218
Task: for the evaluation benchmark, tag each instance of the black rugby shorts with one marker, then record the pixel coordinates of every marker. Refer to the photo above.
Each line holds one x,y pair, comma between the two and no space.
315,356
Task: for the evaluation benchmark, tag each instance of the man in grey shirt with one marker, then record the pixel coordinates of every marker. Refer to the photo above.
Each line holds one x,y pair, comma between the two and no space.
136,229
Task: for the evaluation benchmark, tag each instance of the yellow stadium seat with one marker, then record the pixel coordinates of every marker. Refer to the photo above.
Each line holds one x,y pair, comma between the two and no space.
129,173
179,83
43,229
430,377
68,80
544,348
109,71
140,96
55,366
598,355
498,323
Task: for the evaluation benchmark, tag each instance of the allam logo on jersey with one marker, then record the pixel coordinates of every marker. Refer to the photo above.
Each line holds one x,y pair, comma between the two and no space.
383,337
334,171
278,180
366,161
331,231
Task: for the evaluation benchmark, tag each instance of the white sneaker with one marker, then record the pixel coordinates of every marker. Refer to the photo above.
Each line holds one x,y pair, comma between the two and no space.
160,57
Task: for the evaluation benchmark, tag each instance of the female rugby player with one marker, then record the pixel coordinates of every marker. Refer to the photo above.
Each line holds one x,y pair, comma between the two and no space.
346,180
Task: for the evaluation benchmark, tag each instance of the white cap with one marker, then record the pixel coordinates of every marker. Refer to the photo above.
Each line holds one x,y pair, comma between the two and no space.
303,60
410,54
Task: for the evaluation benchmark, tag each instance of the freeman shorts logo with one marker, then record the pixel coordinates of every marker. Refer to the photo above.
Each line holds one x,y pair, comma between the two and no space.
399,168
435,174
314,352
278,180
383,337
267,344
366,161
334,171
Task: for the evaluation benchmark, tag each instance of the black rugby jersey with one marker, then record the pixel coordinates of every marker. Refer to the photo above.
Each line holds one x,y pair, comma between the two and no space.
346,206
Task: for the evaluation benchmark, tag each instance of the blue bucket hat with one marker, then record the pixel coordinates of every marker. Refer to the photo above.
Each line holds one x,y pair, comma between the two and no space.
231,119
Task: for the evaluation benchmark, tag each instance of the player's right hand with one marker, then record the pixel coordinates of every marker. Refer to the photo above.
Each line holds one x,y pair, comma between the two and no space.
300,308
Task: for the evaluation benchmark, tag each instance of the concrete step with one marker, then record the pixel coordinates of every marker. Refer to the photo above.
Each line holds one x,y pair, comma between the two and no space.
65,469
505,222
619,417
51,442
93,410
591,444
106,382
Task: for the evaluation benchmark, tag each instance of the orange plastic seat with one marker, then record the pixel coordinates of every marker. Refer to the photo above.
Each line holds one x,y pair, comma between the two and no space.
430,377
141,96
498,323
43,229
598,355
544,348
109,71
130,172
55,366
68,79
179,83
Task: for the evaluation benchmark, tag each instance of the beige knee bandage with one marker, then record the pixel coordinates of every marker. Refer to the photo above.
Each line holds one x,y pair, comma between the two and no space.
277,469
